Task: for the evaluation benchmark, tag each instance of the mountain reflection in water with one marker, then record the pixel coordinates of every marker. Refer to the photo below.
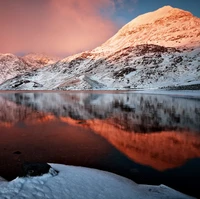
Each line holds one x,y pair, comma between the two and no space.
162,132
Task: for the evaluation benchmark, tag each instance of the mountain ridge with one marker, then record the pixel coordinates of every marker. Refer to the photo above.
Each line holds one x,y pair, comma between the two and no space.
141,30
164,53
12,65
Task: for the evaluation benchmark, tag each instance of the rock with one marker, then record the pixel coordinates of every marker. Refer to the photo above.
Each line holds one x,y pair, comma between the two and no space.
178,59
37,169
17,152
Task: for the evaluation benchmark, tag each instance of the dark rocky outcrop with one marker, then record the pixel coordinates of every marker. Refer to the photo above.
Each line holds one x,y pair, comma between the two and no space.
37,169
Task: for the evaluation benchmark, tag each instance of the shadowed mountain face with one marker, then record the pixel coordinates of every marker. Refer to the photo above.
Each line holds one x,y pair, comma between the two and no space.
162,132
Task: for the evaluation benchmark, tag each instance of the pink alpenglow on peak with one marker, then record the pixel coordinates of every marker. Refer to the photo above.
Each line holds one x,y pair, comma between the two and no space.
167,26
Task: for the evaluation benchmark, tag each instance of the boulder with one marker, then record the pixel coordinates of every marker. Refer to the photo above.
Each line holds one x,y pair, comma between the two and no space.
37,169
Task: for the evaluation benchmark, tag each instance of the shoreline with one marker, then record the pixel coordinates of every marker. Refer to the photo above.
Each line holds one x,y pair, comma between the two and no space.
82,182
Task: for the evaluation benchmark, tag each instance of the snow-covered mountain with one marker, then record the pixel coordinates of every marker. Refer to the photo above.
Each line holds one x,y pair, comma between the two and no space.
39,59
12,66
157,49
167,26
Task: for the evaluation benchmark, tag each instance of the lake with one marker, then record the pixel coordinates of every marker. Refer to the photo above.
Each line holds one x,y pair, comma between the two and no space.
151,139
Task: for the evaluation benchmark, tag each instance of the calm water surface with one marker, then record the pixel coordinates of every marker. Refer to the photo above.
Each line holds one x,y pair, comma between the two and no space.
151,139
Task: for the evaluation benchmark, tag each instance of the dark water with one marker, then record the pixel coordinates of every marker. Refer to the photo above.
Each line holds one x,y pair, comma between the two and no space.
151,139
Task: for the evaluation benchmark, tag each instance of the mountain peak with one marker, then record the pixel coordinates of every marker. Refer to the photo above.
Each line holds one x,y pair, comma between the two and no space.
167,26
162,13
168,8
39,59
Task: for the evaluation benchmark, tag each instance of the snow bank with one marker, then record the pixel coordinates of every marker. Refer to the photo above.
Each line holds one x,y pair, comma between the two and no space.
83,183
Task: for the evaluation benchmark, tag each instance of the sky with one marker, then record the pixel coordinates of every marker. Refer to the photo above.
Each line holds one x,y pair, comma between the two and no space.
64,27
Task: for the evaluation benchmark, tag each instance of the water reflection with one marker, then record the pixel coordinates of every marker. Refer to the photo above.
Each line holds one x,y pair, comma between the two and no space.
163,150
162,132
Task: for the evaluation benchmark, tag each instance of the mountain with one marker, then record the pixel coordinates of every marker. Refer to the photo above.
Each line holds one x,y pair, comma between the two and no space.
39,59
167,26
156,50
12,66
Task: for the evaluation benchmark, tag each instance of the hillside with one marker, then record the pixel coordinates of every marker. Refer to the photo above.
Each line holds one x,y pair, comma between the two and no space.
12,65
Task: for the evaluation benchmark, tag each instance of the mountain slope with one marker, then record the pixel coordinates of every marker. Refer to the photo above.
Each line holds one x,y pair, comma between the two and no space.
157,49
167,26
11,65
39,59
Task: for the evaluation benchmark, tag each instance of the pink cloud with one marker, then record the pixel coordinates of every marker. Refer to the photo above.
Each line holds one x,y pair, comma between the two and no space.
54,26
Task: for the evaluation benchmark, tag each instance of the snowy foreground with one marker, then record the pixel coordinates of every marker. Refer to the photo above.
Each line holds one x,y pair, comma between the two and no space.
83,183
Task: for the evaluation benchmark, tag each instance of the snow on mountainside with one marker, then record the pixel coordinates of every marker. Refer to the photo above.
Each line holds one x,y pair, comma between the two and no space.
11,65
167,26
157,49
40,59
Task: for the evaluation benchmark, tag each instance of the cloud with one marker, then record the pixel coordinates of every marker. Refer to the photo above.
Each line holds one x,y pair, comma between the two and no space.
57,27
125,4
